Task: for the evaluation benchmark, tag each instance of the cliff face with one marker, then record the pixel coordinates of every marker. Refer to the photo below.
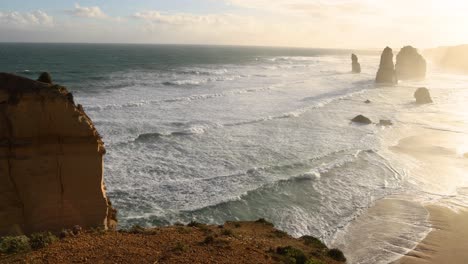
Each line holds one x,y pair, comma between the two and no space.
410,64
386,73
51,161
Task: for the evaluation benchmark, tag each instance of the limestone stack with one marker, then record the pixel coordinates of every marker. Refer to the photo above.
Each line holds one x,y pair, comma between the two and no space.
51,161
410,64
356,66
422,96
386,73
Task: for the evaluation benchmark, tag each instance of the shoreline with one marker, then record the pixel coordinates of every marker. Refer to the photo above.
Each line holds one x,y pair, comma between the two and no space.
446,243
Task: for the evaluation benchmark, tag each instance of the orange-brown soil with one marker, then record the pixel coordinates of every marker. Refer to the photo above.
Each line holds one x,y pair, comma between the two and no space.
235,242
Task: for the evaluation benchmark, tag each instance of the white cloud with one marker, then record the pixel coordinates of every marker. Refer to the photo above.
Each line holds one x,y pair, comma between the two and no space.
181,19
91,12
17,19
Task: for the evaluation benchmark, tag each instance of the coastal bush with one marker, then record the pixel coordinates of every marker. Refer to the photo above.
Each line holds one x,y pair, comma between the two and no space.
314,261
237,225
45,78
41,240
227,232
292,255
208,240
194,224
264,222
336,254
312,241
137,229
279,234
65,233
180,247
14,244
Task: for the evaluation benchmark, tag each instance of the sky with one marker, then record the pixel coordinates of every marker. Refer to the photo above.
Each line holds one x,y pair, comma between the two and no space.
296,23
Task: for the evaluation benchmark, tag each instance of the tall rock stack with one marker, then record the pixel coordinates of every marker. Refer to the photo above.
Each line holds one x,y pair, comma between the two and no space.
51,161
410,65
356,66
386,73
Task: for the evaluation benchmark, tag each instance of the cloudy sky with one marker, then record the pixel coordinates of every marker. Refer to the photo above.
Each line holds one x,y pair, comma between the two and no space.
304,23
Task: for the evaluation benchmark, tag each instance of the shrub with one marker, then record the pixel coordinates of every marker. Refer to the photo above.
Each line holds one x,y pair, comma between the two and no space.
45,78
263,221
208,240
14,244
279,234
314,261
137,229
312,241
227,232
180,247
237,225
195,224
336,254
65,233
292,254
41,240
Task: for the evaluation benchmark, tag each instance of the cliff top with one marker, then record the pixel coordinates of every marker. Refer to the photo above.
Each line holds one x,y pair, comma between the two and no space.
234,242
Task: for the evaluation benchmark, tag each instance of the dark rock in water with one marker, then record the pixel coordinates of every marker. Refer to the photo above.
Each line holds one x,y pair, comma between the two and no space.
386,73
385,123
367,102
45,78
362,119
422,96
355,65
410,64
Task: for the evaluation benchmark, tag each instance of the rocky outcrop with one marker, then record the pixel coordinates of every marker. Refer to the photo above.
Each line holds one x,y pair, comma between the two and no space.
422,96
410,64
356,66
362,120
386,73
51,161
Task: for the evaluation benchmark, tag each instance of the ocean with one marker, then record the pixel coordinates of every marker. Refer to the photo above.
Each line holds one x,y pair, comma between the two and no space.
218,133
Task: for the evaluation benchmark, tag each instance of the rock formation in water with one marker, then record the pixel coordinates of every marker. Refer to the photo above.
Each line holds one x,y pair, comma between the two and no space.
422,96
51,161
386,73
362,120
384,122
356,66
410,64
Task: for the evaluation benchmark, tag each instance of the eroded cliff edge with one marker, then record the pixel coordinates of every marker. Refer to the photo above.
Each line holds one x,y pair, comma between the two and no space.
51,161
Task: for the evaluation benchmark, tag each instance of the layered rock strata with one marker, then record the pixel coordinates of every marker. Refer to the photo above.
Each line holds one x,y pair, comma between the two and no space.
51,161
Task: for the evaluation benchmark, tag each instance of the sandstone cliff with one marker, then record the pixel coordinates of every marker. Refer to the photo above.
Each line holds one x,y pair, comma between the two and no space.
386,73
51,161
410,64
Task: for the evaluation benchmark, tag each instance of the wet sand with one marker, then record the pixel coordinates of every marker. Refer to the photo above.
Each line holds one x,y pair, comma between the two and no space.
447,243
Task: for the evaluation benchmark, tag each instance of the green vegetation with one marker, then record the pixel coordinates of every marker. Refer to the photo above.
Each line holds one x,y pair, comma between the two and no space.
227,232
14,244
336,254
292,255
137,229
41,240
208,240
180,247
314,261
264,222
312,241
45,78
